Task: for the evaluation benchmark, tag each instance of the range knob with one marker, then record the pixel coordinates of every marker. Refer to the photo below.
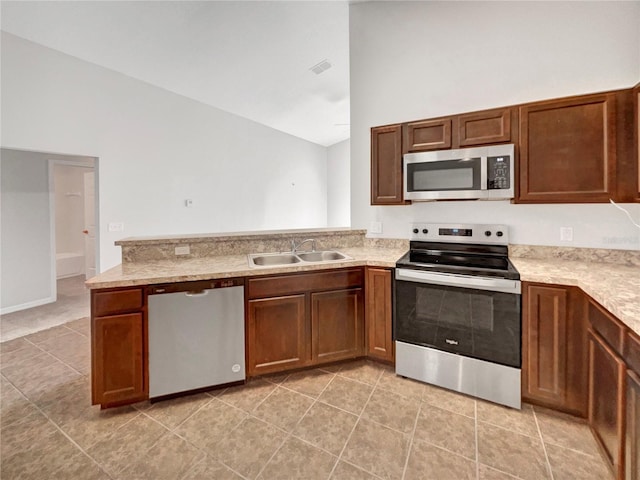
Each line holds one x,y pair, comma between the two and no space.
499,233
425,231
487,233
415,230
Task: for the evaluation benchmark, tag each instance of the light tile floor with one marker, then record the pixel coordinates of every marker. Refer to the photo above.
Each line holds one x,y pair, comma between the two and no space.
353,421
72,303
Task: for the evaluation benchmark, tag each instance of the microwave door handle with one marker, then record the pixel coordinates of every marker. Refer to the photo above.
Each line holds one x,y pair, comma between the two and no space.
483,173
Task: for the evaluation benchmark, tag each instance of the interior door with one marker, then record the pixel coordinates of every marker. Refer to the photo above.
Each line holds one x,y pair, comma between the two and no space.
89,225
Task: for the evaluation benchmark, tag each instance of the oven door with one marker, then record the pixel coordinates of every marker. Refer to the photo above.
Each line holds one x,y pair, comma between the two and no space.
472,316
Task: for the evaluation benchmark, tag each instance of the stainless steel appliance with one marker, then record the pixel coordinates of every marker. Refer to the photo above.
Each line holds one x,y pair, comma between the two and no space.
457,319
196,336
471,173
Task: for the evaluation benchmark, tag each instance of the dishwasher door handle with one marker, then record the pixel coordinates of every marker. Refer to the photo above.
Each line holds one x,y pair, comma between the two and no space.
203,293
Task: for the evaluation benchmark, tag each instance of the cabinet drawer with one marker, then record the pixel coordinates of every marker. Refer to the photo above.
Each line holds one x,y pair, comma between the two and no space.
114,301
297,283
632,352
609,327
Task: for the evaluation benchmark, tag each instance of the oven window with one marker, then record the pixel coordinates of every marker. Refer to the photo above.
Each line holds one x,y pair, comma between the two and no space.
476,323
444,175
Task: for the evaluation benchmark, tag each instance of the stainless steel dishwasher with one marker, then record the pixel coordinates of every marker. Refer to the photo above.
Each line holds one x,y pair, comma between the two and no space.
196,335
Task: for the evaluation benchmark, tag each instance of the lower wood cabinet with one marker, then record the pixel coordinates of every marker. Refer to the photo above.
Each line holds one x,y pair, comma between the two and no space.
118,347
632,437
378,283
554,347
321,321
277,334
607,390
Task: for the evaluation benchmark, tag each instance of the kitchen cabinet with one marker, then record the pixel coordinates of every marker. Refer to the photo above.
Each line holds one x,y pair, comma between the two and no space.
576,149
118,347
426,135
554,347
337,325
304,319
607,407
276,334
378,323
386,165
636,135
632,436
486,127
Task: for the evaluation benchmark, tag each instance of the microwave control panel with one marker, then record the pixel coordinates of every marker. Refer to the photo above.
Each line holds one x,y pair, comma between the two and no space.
499,172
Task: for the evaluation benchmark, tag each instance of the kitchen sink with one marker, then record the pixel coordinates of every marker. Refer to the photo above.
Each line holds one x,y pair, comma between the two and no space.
322,256
283,259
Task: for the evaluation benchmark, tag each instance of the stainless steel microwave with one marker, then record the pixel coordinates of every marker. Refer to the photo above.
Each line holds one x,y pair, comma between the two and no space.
471,173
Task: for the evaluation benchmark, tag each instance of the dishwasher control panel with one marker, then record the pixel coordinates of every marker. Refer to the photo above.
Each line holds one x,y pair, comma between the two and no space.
196,286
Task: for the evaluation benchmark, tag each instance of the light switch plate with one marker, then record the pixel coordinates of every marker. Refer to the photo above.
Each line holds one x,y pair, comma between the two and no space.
375,227
566,234
116,227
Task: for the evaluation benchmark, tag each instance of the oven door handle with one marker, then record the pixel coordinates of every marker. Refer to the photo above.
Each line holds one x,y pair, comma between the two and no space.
464,281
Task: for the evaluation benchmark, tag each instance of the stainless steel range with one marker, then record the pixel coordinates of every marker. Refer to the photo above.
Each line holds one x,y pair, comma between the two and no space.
457,321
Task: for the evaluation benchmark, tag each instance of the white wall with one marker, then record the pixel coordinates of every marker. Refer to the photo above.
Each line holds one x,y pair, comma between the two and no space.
339,185
413,60
25,258
69,206
157,149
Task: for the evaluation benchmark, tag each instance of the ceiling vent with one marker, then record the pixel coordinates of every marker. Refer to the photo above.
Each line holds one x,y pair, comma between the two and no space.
318,68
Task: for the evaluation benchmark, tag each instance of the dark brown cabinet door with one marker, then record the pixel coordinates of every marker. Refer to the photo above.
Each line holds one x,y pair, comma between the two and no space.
632,437
118,359
568,150
607,401
277,334
426,135
386,165
481,128
337,321
378,314
554,348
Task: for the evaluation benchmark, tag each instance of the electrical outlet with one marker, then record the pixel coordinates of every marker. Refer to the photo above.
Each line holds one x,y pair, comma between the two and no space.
183,250
116,227
375,227
566,234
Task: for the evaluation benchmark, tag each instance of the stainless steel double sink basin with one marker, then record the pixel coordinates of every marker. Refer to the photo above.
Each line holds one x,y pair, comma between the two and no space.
290,258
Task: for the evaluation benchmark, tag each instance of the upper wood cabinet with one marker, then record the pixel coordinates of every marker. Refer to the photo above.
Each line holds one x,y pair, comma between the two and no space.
386,165
486,127
426,135
575,150
636,135
554,347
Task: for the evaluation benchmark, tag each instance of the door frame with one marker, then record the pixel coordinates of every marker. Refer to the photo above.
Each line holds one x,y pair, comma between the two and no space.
52,212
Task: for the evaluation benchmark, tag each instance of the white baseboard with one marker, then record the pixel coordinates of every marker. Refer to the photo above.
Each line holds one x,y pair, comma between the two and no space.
24,306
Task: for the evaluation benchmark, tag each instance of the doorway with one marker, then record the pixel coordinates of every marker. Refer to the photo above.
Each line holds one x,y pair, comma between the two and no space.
44,262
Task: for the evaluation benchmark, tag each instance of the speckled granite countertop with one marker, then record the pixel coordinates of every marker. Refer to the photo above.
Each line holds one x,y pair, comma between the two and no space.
227,266
614,286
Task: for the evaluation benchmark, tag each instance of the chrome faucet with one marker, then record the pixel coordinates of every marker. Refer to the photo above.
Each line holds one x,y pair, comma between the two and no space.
294,247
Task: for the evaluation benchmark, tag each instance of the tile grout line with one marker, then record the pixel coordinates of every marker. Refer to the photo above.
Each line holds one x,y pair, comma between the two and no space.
475,409
290,433
344,447
58,428
544,447
413,433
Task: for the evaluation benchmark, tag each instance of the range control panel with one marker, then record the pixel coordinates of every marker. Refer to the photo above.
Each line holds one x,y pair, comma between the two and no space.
499,172
460,233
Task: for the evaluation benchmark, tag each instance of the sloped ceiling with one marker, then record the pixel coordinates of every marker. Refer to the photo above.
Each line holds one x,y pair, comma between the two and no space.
252,59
